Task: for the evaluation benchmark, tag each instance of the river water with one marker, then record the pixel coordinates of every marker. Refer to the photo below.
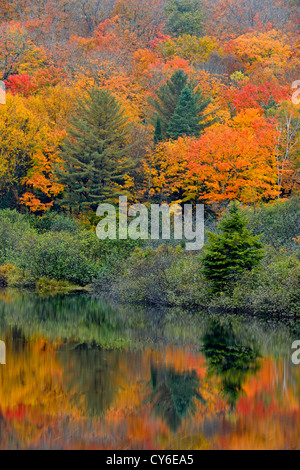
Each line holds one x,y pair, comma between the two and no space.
83,373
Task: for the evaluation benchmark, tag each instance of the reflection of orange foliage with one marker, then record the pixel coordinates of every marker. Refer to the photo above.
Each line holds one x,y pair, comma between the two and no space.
31,393
268,415
36,405
184,360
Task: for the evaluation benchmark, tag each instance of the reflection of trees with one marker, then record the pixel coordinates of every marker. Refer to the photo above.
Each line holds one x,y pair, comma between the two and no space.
66,316
229,358
174,394
94,375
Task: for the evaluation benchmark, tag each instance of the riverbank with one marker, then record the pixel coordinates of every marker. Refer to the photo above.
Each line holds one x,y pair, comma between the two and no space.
59,254
171,277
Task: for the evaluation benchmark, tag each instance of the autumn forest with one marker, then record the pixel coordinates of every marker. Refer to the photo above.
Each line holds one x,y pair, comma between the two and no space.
199,96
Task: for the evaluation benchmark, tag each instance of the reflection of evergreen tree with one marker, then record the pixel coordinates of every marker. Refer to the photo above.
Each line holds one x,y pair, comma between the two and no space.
174,394
227,356
15,339
95,375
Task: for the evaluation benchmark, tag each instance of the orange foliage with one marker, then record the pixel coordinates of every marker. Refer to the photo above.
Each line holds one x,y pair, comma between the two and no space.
253,96
236,160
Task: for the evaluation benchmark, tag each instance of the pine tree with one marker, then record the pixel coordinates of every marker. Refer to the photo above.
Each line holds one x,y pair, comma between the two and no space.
185,120
158,131
167,97
232,251
94,153
189,115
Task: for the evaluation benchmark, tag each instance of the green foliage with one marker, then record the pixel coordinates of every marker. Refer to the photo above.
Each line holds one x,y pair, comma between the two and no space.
55,248
14,230
278,223
271,288
186,119
167,97
165,275
230,252
59,256
185,17
44,285
54,222
94,153
178,109
171,276
158,131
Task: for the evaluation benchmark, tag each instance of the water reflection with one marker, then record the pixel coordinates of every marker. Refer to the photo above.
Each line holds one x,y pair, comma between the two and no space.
174,394
95,375
114,382
229,358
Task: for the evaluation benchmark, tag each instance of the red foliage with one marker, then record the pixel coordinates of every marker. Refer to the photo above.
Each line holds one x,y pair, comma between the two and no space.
21,84
252,96
160,38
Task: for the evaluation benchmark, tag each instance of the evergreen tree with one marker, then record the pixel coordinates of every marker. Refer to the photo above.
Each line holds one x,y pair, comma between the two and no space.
167,97
270,107
94,153
186,118
232,251
158,131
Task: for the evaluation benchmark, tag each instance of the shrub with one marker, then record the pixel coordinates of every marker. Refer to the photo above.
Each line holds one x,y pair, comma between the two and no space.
278,222
58,256
271,288
14,229
55,222
164,275
11,276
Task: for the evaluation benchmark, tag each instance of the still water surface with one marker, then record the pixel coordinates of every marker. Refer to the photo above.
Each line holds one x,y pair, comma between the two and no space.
86,374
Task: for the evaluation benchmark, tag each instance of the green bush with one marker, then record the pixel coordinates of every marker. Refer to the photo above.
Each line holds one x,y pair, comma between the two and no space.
170,276
272,288
164,275
58,256
56,247
232,251
54,222
14,230
278,222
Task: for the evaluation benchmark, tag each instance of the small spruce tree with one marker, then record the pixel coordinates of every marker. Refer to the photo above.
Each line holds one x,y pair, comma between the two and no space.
232,251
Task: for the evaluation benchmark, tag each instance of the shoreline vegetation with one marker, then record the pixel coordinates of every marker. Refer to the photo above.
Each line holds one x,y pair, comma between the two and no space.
58,254
164,102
